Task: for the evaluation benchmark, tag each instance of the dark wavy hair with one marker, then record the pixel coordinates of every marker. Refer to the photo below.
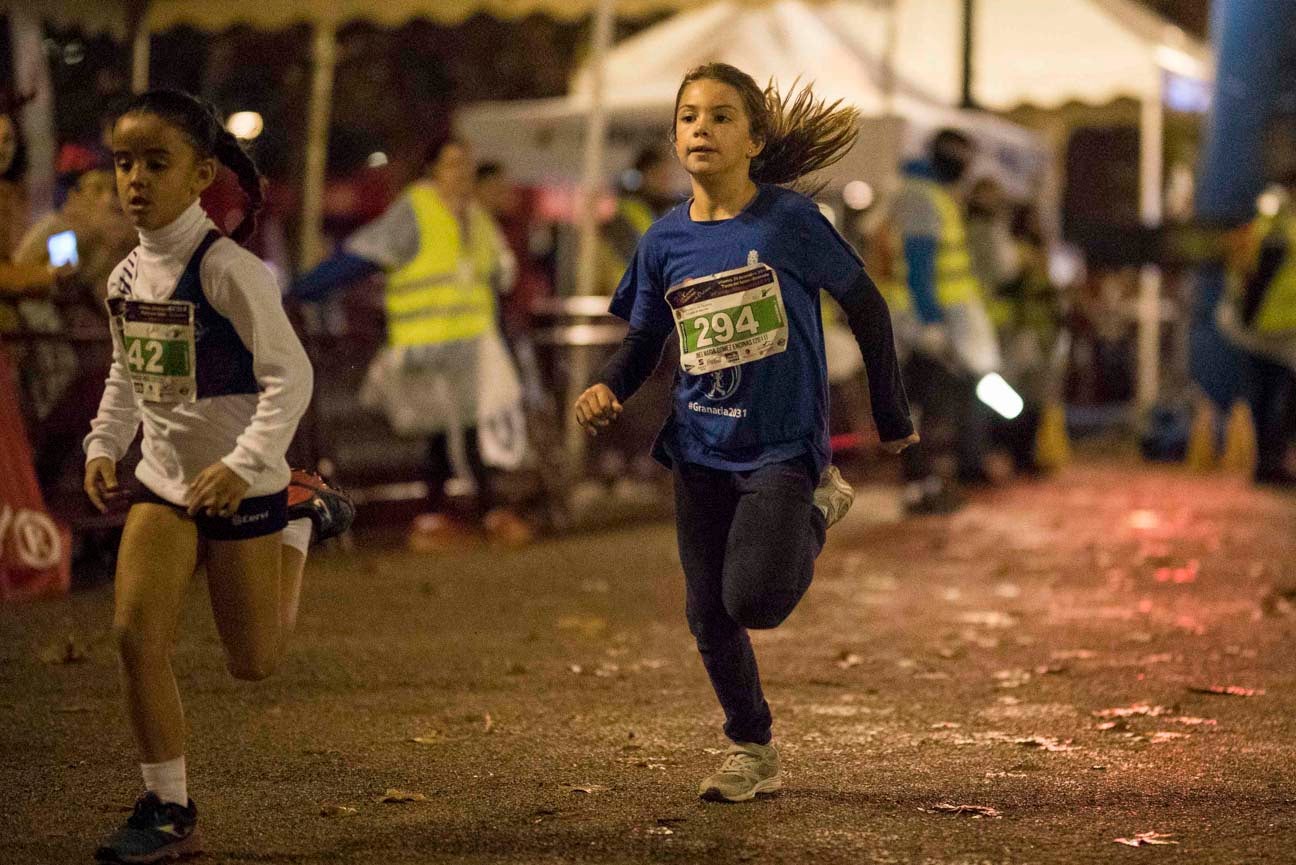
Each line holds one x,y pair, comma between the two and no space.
201,124
802,134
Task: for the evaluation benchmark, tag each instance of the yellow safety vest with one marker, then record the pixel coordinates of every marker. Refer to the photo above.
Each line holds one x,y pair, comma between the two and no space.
884,262
955,280
443,294
610,264
1277,312
637,213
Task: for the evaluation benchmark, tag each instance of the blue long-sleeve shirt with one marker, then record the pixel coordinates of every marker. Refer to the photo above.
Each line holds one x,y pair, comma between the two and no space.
338,271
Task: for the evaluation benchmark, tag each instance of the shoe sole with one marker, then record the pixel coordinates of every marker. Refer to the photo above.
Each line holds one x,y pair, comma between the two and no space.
769,785
185,848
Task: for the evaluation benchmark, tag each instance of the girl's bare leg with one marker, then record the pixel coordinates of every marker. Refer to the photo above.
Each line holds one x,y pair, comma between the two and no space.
159,551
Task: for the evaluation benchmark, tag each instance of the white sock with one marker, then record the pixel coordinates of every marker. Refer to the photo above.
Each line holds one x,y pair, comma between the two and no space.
167,780
297,534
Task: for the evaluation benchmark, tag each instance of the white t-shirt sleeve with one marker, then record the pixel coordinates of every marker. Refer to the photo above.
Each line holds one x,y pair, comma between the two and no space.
118,419
392,240
241,288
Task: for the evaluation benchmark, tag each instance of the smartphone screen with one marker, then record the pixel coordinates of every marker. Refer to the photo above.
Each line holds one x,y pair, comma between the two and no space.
62,248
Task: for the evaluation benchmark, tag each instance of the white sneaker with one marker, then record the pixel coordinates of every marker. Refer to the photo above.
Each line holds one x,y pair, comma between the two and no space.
833,497
748,769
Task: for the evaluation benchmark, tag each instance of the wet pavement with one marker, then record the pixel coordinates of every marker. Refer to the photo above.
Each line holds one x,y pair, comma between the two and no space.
1026,681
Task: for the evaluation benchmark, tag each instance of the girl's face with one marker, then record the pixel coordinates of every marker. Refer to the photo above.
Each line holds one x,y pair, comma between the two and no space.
713,131
159,173
8,142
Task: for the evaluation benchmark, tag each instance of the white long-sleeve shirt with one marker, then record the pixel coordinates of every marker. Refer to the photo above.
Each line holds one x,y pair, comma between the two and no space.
247,432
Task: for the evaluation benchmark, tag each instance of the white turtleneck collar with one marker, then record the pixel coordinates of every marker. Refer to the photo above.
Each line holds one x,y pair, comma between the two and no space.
182,233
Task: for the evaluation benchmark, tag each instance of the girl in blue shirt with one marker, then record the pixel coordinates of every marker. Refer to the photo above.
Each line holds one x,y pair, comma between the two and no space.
736,272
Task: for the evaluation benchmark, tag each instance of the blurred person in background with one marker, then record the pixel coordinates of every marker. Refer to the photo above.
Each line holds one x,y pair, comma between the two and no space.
64,378
445,372
990,243
1028,315
17,280
951,342
1258,313
645,192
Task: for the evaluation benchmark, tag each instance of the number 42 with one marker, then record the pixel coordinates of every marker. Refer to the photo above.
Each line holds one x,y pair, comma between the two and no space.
135,355
723,326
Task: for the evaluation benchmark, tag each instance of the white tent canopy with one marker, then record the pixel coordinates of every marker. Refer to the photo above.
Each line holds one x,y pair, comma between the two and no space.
832,45
1040,52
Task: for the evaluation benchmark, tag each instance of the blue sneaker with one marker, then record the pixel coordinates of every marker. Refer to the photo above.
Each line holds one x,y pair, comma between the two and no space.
155,832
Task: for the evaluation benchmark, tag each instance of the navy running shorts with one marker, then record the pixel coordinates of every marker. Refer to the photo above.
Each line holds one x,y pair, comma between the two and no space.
255,518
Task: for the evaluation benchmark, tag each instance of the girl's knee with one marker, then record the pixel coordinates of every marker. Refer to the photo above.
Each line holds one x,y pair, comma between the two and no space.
760,616
137,643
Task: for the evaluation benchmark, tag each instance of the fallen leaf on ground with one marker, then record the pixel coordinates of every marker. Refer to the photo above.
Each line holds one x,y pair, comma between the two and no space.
1158,658
1146,839
394,796
1131,711
587,788
659,830
488,723
974,811
68,651
1227,690
1046,743
946,725
586,626
989,619
846,660
432,737
1073,655
1190,721
1012,678
338,811
1167,736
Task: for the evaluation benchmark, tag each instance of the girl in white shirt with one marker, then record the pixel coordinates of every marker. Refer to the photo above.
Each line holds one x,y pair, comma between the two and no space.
205,358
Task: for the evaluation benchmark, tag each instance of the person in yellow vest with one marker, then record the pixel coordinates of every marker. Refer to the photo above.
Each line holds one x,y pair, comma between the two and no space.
647,192
445,372
942,325
1258,313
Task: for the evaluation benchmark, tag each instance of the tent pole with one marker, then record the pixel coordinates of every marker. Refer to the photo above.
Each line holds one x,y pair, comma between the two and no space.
889,47
969,36
574,440
31,75
137,22
323,62
1151,132
595,139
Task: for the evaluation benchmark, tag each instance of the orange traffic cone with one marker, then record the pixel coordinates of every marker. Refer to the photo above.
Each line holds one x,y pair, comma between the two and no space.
1201,455
1240,441
1052,445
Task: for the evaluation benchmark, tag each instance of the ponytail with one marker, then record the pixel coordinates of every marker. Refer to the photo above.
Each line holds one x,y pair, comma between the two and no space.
801,133
230,152
201,124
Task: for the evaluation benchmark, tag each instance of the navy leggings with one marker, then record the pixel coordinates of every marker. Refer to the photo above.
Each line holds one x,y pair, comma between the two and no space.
748,542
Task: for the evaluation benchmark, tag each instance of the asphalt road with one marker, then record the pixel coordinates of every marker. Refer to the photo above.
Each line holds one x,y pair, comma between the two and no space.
1035,654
